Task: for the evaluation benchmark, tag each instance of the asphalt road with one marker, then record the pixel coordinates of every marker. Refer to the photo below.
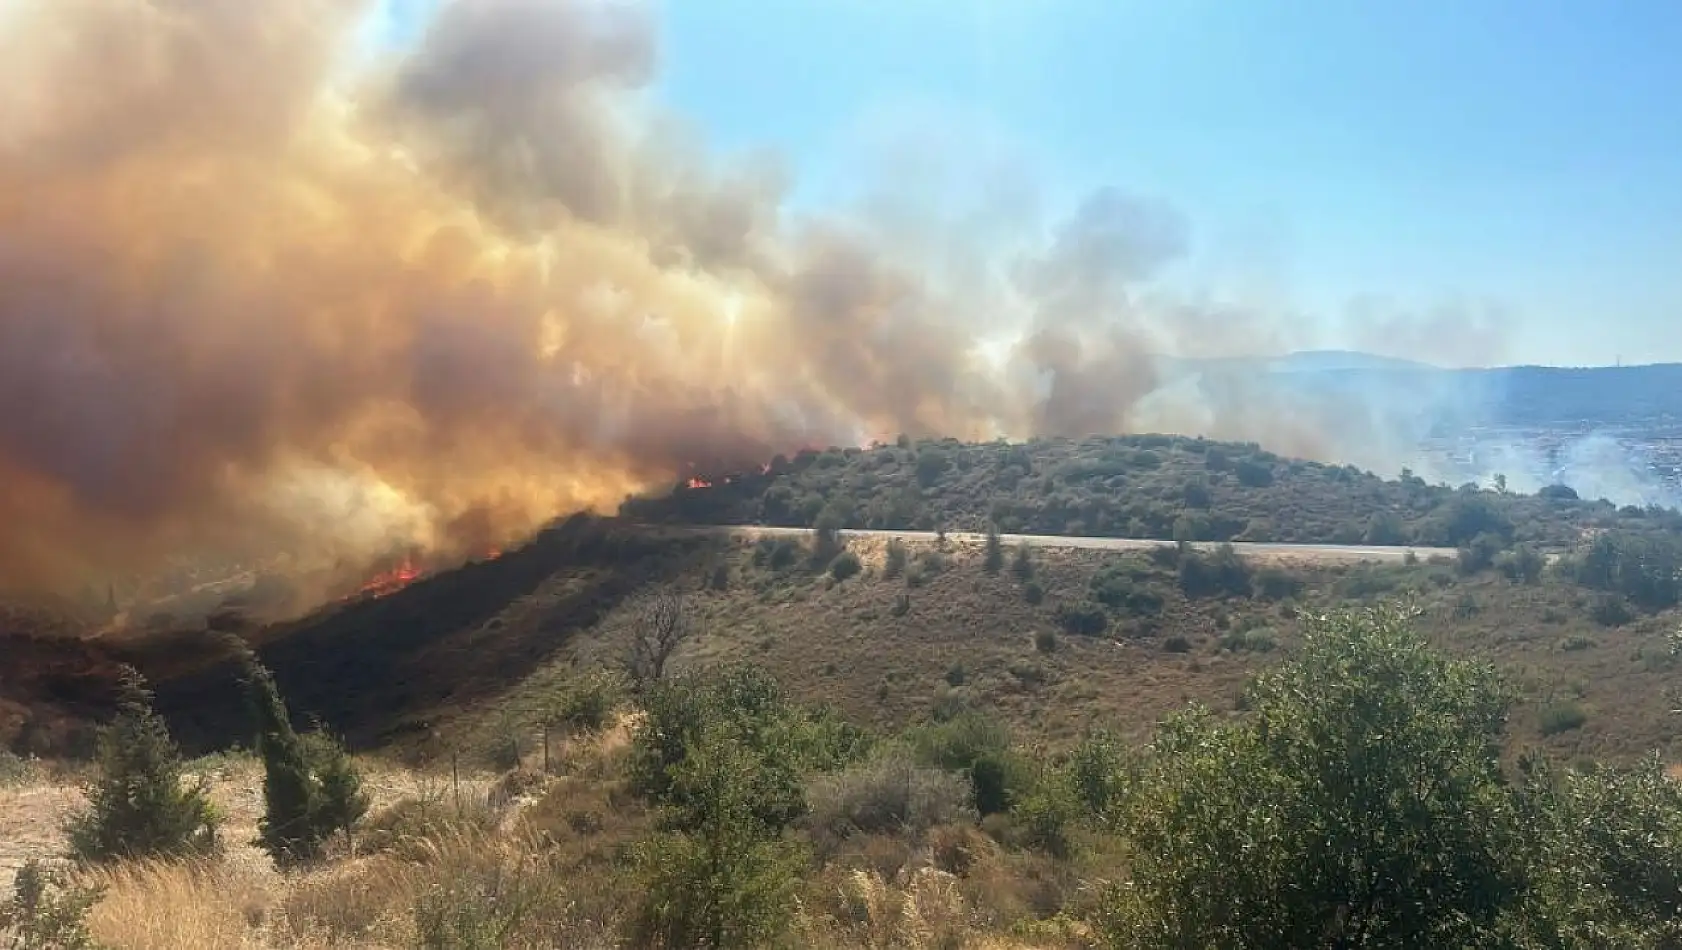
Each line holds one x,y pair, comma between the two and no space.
1327,553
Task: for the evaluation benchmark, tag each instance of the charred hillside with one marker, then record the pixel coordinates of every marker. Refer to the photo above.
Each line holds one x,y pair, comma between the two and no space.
1141,486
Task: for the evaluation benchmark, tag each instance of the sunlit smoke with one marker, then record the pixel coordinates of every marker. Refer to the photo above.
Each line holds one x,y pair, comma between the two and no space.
286,277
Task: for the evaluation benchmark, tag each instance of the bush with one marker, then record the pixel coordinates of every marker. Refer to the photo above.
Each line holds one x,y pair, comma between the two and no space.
1087,620
1319,791
1022,562
845,565
138,806
993,560
893,562
776,553
1177,644
728,879
889,794
588,703
44,913
486,908
1256,640
1033,593
1610,610
1222,574
1045,641
1562,717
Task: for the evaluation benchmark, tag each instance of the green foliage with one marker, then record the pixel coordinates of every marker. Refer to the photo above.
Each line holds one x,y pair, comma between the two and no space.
1252,640
1645,569
290,797
845,565
1364,796
1605,849
1045,641
1221,574
139,807
1521,565
893,562
1033,593
587,703
44,913
776,553
745,705
311,789
958,743
728,879
1174,487
1087,619
990,784
1022,562
1562,717
1121,587
889,793
340,801
993,559
485,909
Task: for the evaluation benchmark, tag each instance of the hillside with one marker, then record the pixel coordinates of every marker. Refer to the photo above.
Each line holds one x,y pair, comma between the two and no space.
944,735
1144,486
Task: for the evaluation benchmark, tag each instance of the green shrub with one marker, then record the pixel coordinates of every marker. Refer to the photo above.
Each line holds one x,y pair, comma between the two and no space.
139,806
1045,641
1087,620
1610,610
727,879
888,794
993,559
845,565
46,913
1177,644
1318,790
1033,593
1022,562
893,562
1256,640
1562,717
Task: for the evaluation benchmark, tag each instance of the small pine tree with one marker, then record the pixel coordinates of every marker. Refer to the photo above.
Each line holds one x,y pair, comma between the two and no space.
341,802
291,798
139,807
995,559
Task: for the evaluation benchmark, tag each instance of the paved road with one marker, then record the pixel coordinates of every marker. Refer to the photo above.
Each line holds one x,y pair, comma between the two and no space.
1305,552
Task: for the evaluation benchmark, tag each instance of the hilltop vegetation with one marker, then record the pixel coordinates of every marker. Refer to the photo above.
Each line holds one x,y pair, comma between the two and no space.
1146,486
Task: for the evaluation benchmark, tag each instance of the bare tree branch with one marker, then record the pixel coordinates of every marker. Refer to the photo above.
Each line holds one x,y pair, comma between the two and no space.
664,624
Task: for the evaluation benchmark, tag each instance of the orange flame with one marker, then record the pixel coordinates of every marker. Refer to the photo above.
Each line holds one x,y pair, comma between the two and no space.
392,581
698,483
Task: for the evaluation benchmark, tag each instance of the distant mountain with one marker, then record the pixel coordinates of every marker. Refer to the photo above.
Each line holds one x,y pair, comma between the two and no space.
1646,396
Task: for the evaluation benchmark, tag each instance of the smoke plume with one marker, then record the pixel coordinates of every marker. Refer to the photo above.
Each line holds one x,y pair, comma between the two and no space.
259,291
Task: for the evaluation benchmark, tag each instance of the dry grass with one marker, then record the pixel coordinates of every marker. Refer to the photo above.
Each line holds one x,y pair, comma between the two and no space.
968,639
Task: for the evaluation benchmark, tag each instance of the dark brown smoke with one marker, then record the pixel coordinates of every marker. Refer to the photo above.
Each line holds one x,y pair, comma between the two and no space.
256,294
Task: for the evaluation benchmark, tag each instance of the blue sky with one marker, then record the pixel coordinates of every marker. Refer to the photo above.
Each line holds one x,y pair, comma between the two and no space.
1525,152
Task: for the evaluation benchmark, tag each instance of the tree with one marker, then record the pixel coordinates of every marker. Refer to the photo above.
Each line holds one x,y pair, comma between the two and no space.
1365,797
291,796
994,560
139,806
663,626
727,879
340,802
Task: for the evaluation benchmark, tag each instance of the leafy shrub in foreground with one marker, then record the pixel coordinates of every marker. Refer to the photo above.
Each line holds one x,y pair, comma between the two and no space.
139,806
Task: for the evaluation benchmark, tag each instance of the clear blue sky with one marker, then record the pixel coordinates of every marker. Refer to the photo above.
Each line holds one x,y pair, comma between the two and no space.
1524,151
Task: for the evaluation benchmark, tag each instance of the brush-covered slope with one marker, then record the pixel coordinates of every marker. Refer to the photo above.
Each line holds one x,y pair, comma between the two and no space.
1144,486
